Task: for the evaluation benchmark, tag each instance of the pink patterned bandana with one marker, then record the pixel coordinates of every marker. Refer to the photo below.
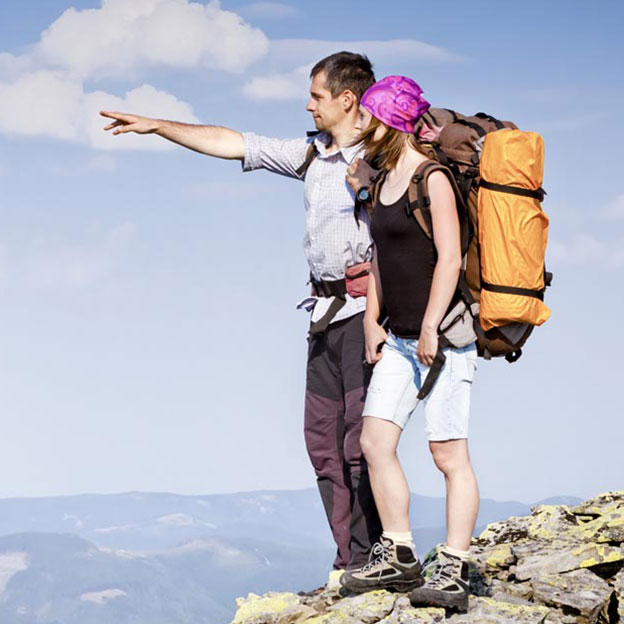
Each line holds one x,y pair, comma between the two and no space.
397,101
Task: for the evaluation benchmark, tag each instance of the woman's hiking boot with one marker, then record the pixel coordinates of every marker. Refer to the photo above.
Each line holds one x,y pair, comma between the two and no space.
447,587
391,566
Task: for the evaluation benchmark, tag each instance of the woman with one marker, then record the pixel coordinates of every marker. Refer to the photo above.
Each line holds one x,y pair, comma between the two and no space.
415,279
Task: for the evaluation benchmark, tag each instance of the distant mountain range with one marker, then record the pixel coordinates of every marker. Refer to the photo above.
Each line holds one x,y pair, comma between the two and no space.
150,558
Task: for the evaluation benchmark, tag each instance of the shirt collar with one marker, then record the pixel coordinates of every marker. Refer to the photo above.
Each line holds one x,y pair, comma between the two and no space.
348,152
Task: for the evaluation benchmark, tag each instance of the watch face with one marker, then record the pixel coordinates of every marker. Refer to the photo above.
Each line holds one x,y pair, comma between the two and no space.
363,194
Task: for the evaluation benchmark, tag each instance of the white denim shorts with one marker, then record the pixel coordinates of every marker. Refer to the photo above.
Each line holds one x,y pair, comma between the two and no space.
396,381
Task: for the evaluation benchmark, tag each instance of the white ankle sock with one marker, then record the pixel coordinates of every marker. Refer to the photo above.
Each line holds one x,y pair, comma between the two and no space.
463,554
405,539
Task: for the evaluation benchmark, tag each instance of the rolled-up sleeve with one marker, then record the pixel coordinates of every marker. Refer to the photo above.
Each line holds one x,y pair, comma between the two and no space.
283,156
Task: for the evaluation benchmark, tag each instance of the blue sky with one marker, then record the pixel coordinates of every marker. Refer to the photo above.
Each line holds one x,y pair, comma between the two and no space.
140,346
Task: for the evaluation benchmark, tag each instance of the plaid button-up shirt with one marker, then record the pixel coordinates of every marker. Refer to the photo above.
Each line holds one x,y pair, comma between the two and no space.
333,240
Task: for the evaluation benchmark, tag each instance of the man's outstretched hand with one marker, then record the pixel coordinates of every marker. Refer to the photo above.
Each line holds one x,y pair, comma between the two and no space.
130,123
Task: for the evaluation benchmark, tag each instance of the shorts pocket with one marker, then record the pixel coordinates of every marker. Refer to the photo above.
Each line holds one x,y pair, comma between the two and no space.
465,364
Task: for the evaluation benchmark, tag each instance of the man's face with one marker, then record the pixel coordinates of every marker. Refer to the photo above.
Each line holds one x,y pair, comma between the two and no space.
327,111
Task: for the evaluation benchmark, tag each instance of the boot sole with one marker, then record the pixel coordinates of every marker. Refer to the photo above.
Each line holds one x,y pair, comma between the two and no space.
446,602
396,586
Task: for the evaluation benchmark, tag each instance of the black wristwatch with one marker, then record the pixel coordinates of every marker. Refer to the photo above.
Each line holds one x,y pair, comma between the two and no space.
363,195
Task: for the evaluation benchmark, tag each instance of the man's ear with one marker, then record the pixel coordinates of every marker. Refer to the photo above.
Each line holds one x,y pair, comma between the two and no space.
348,100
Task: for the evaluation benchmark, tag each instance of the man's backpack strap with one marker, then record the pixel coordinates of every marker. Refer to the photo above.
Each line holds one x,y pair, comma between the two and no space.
311,154
419,200
377,181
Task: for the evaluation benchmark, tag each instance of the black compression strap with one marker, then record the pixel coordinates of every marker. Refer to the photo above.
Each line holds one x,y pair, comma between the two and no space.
514,190
330,288
497,122
512,290
471,124
434,370
323,323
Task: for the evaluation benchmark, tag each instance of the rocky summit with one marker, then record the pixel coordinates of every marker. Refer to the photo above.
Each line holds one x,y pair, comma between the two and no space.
560,565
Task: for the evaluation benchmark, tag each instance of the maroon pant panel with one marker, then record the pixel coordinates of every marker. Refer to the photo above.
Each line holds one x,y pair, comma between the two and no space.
335,392
353,408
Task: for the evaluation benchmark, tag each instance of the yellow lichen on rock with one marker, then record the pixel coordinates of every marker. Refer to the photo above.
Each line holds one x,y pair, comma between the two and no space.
369,607
500,557
334,617
485,610
282,607
604,554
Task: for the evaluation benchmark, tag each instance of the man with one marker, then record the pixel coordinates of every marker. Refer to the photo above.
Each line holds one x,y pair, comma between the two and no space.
337,375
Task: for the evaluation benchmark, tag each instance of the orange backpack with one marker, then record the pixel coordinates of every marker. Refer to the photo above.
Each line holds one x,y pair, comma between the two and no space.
497,175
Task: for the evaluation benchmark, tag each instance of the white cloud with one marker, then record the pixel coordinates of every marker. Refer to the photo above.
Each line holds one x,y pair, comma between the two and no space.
145,99
51,264
614,210
21,110
304,53
121,37
12,66
269,10
42,92
585,249
287,86
71,114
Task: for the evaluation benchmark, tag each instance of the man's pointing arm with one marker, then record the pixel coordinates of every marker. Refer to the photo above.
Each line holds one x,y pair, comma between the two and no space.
211,140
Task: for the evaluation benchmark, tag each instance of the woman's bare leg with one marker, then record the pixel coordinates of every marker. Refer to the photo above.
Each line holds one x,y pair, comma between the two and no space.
462,492
379,441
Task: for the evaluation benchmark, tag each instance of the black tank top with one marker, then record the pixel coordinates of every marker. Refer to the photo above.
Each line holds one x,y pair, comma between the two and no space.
406,259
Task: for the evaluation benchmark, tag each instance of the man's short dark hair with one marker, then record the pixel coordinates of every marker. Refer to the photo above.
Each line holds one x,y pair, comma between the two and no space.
346,70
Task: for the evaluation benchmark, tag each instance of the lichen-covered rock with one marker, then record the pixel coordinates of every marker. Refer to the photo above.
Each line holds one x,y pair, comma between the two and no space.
580,590
560,565
368,608
508,531
490,611
333,618
597,505
515,593
404,613
550,522
555,560
618,586
272,608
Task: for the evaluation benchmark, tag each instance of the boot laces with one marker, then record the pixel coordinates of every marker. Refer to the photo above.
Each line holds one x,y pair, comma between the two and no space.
381,554
444,574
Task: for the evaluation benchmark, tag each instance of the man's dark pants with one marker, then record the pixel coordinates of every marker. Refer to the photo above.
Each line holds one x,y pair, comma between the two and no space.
336,383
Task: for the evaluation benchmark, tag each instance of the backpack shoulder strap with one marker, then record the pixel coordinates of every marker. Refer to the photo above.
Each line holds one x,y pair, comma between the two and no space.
311,154
419,200
377,181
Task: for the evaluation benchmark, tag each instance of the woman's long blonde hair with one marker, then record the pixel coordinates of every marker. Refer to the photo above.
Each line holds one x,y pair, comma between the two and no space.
387,150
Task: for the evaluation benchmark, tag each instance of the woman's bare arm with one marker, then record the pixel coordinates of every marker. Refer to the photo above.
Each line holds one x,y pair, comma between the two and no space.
446,238
374,333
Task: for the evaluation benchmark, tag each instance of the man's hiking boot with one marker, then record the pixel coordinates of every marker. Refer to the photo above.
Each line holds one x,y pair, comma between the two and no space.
448,586
391,566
